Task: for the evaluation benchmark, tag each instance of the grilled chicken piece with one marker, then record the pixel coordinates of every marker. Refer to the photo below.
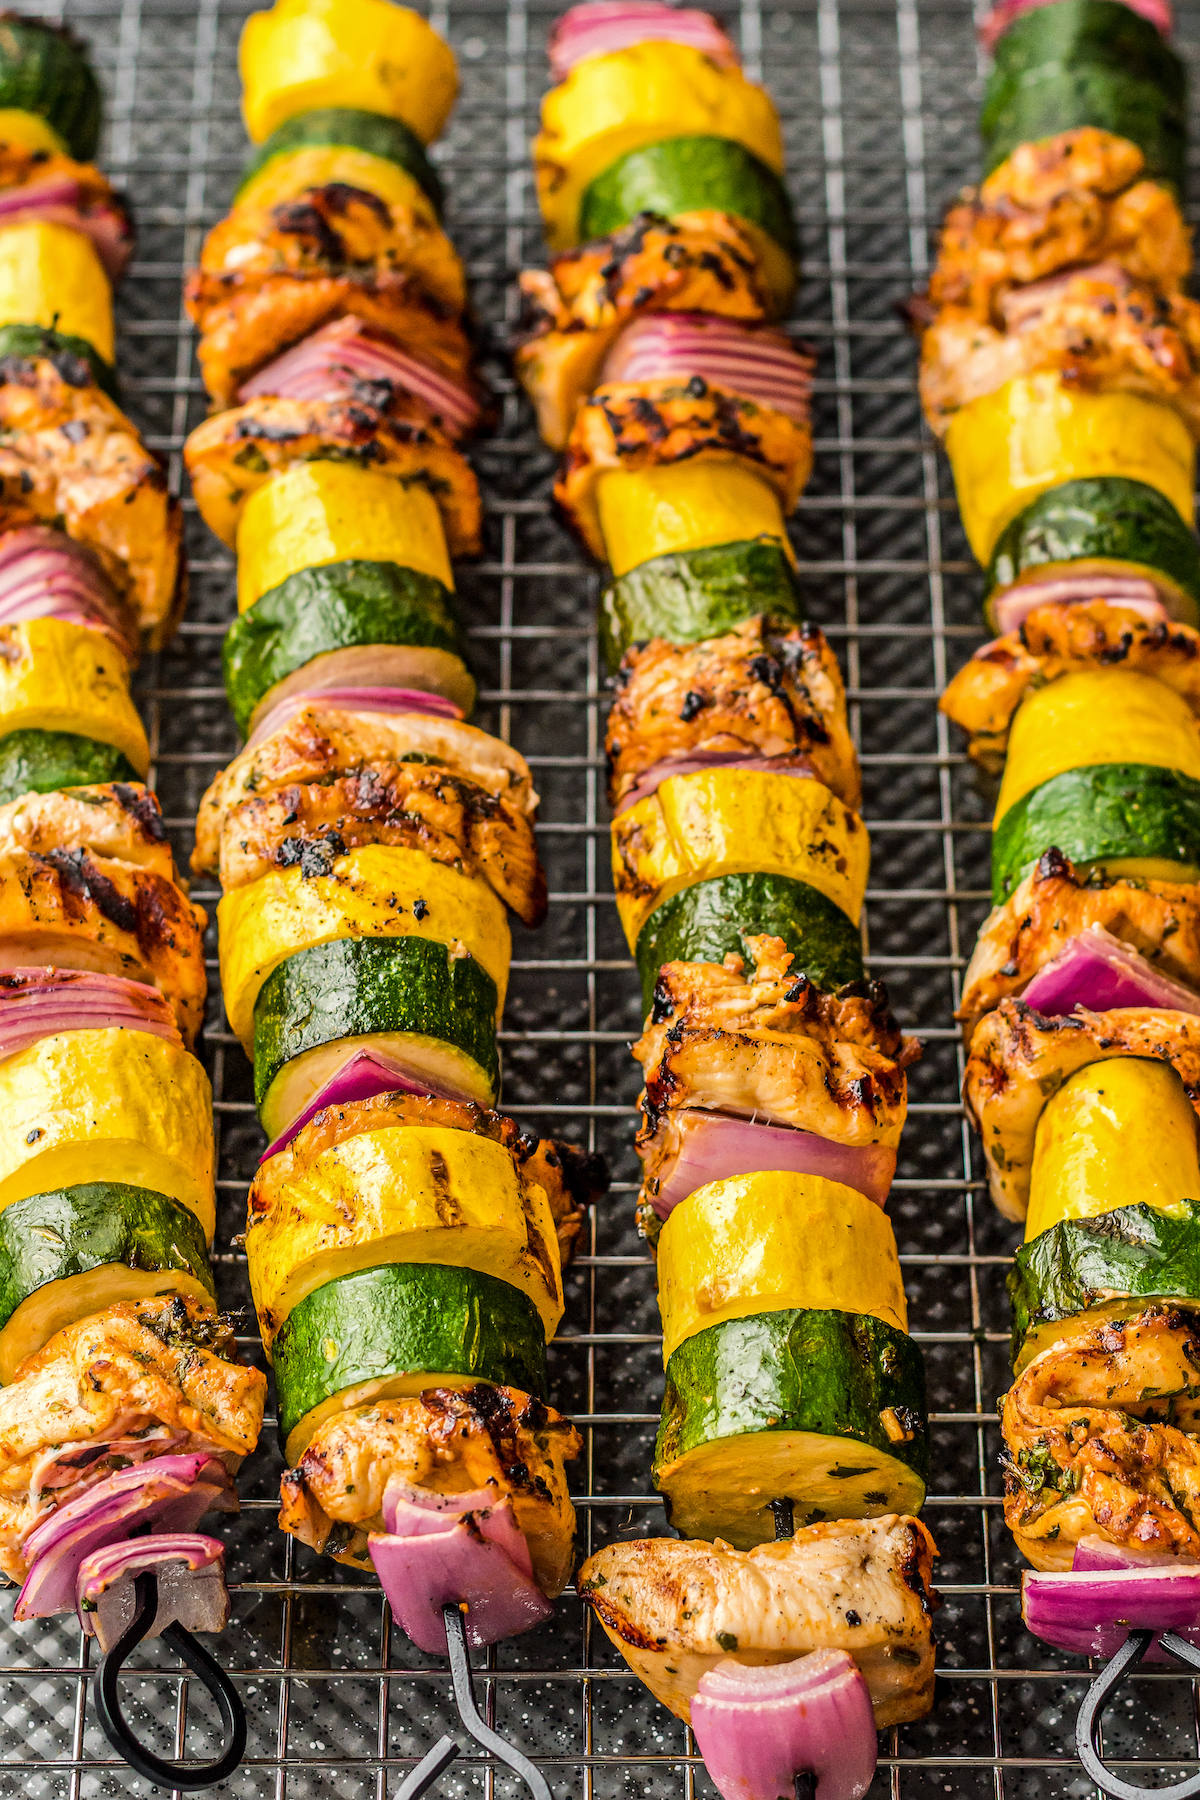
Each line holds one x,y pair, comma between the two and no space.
645,424
1060,639
574,312
1059,203
68,909
771,1047
70,458
1019,1060
114,818
1101,1439
676,1609
758,691
1098,327
141,1379
233,453
450,1441
1159,919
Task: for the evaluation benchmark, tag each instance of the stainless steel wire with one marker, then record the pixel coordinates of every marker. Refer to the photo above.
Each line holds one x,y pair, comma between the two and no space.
879,103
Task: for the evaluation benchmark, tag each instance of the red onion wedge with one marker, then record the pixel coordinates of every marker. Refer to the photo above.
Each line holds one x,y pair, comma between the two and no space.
759,362
607,25
1001,17
361,1078
1098,971
39,1003
59,201
1094,1553
650,780
190,1572
415,667
759,1726
362,699
344,361
1090,1611
455,1549
1012,606
714,1146
44,574
172,1493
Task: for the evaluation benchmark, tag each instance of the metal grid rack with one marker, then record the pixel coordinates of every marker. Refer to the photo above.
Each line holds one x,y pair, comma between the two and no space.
879,103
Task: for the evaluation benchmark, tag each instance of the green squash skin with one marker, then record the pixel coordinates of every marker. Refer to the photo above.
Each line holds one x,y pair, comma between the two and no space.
38,762
688,174
695,594
355,986
712,919
406,1318
50,1237
1101,518
349,128
832,1373
1096,814
75,359
1135,1251
335,606
43,70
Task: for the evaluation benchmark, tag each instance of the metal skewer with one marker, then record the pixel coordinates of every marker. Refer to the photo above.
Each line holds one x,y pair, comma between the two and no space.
1091,1714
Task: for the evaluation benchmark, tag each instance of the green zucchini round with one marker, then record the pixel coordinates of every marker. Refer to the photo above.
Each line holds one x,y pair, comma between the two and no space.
349,128
74,358
364,987
1099,814
694,594
825,1409
397,1329
70,1253
43,70
712,919
1083,1270
38,762
688,174
335,606
1106,522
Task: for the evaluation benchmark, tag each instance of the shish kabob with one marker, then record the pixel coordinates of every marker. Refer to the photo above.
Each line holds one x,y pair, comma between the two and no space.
124,1408
405,1240
1059,361
793,1444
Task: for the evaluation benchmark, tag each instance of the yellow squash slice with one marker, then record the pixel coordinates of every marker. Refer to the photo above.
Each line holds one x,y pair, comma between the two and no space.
53,276
30,131
293,172
56,676
684,506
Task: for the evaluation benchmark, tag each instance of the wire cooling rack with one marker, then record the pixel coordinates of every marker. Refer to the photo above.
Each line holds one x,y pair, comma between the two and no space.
879,104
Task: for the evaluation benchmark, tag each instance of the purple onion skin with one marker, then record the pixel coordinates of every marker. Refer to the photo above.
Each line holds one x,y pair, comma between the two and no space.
758,1727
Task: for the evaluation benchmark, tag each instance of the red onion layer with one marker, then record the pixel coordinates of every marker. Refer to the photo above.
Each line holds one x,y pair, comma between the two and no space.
758,1727
59,201
603,26
1013,605
1098,971
1001,17
361,1078
715,1146
44,574
760,362
650,780
342,361
39,1003
190,1574
1090,1612
364,699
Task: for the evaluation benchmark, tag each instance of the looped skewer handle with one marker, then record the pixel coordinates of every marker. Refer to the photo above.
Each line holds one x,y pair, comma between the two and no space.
1091,1715
434,1763
188,1776
464,1697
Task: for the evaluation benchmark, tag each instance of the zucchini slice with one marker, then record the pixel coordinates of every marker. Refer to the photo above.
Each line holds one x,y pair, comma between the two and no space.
347,128
1105,525
1083,1271
405,995
825,1409
337,606
43,70
39,762
712,919
1109,813
77,361
696,594
389,1332
69,1253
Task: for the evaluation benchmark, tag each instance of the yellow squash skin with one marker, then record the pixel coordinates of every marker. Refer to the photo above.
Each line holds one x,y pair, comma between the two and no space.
1117,1133
30,131
684,506
122,1105
323,512
1097,716
412,1193
292,172
610,105
53,276
368,54
769,1241
736,822
371,893
1034,433
56,676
